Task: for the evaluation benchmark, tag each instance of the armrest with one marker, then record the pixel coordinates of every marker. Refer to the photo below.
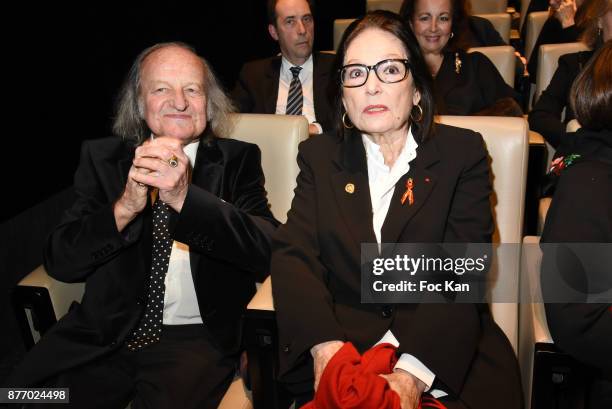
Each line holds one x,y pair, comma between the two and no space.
262,300
236,396
535,138
543,206
573,126
39,301
61,294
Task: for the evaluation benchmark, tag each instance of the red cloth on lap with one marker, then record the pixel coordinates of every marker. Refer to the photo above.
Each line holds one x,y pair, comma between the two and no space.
351,381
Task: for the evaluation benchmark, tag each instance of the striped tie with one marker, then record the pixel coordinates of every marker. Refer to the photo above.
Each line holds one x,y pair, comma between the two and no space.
295,98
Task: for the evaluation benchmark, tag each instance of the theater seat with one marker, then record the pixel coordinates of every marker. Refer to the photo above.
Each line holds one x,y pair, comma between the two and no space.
236,397
340,26
551,378
503,58
278,137
548,61
524,7
390,5
501,22
534,333
573,125
547,65
507,143
535,22
39,300
542,212
489,6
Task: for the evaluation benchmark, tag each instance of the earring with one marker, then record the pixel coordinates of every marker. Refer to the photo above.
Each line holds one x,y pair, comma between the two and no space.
344,122
457,63
420,118
452,34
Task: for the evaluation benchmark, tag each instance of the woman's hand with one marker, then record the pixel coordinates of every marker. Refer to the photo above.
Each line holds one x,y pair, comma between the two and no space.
565,12
321,354
407,386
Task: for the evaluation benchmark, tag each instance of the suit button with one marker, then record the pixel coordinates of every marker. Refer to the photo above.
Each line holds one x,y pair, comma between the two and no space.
387,311
286,349
113,343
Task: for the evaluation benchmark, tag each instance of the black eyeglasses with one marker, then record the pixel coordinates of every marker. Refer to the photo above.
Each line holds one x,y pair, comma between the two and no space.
387,71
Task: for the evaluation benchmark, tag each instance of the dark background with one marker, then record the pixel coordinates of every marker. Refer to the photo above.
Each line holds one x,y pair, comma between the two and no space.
62,68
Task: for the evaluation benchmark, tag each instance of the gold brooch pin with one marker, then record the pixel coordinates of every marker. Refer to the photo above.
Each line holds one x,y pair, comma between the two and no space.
457,63
349,188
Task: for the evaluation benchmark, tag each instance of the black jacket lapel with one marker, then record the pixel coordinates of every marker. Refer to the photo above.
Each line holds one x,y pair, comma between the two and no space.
208,174
352,189
272,78
423,181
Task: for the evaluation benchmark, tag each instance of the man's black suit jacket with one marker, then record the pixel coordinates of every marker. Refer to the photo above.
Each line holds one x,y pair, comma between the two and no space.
256,90
316,264
225,220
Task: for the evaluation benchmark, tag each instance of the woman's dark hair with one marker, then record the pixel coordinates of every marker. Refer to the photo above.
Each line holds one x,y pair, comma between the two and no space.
591,93
460,12
392,24
587,16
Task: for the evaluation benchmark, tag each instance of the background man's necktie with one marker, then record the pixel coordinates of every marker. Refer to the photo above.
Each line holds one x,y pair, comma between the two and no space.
295,98
149,328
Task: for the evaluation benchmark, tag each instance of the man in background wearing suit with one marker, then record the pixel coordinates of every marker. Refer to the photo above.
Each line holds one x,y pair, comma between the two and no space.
169,231
295,82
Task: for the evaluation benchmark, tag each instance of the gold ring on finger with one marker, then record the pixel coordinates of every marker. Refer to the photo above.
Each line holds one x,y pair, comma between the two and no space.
173,161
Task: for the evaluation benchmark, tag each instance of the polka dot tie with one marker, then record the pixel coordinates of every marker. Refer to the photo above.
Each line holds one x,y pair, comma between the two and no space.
150,326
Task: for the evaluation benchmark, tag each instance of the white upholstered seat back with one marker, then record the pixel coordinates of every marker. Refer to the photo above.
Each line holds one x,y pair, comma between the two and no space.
549,61
503,58
535,21
507,142
390,5
501,22
278,137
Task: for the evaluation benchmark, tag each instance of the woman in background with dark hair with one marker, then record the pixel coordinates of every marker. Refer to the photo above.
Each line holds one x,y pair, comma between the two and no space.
581,212
386,176
464,83
564,25
545,117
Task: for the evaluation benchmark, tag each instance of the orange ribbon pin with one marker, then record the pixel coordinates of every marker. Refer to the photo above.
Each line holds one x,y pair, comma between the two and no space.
408,194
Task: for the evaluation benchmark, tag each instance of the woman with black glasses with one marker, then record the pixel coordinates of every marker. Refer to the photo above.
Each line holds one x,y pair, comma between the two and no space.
387,175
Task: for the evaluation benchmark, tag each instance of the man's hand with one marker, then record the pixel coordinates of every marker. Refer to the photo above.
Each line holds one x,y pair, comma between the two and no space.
321,354
407,386
132,201
155,158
